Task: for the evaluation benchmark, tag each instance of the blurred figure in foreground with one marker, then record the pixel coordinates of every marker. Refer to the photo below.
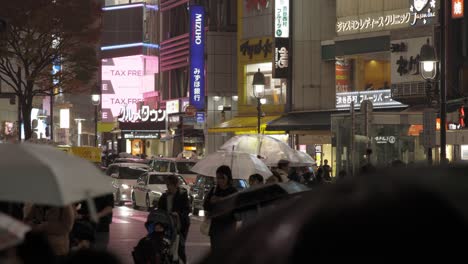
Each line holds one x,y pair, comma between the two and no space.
55,222
255,179
221,227
379,215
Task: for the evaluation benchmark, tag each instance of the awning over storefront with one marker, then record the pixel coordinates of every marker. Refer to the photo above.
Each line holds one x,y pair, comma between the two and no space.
105,127
242,125
302,121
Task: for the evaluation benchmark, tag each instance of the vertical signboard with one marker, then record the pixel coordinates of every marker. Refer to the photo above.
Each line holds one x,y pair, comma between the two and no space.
281,31
458,9
197,57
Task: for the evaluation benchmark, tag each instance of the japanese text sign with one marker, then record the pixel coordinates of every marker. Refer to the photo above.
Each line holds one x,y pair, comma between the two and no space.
197,57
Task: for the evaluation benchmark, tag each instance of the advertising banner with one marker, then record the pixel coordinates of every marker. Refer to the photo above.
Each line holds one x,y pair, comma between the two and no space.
124,81
281,54
281,58
197,57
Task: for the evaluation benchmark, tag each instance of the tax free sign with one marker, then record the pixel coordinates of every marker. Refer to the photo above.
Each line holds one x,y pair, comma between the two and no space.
197,57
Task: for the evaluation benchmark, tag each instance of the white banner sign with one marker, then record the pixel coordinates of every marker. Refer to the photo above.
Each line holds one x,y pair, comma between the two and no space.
281,18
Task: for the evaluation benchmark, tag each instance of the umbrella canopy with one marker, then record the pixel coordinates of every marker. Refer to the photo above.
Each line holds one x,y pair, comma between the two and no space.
304,160
253,198
12,231
242,164
271,150
45,175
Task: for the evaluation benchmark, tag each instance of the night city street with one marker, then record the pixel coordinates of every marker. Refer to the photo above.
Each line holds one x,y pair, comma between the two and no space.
232,131
127,229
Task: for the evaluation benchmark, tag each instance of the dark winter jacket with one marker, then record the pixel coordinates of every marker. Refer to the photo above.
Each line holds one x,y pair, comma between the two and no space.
181,206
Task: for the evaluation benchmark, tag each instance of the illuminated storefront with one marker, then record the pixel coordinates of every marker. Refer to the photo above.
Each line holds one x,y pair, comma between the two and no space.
255,51
125,81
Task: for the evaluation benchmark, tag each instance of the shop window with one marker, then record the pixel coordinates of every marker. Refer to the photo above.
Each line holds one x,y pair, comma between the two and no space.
365,72
275,89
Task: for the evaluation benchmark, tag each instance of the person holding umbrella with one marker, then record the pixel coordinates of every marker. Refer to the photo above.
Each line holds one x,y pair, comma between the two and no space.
55,222
220,226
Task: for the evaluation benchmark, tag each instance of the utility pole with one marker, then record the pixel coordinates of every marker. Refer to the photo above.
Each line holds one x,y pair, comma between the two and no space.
444,21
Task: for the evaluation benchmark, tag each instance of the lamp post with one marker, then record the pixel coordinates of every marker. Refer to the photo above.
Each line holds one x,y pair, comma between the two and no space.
96,101
258,92
429,65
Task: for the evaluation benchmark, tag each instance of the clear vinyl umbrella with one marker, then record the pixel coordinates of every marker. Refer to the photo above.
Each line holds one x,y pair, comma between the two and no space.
242,164
305,160
45,175
269,149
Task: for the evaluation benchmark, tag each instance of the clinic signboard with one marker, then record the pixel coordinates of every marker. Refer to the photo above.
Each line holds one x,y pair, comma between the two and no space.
197,57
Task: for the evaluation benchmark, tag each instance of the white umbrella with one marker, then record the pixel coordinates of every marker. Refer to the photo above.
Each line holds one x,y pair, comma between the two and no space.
304,160
43,174
271,150
242,164
12,231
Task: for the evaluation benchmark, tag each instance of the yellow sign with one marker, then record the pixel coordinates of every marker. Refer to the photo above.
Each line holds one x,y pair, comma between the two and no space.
254,50
92,154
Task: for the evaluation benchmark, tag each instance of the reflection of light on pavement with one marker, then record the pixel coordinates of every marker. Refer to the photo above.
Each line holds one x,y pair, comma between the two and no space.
125,211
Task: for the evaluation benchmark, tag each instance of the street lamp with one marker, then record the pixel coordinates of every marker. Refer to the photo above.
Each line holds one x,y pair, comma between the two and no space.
258,92
429,66
96,101
428,62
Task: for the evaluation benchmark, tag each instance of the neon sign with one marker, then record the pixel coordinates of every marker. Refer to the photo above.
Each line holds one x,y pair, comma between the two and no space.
142,115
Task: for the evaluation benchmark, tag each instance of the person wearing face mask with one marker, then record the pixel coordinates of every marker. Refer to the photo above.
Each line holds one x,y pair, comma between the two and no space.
222,226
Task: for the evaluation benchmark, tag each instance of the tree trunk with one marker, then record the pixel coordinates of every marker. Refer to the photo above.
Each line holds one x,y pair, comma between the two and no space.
26,107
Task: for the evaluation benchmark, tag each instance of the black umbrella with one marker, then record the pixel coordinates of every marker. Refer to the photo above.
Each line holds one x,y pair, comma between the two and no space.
255,198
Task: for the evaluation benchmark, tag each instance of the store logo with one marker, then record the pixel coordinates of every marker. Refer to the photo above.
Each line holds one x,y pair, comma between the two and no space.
281,57
423,10
254,49
420,4
257,4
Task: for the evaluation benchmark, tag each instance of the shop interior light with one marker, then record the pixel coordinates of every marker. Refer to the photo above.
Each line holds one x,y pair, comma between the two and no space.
216,98
235,98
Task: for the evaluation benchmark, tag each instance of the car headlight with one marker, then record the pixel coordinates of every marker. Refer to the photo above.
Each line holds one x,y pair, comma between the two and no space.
156,193
125,186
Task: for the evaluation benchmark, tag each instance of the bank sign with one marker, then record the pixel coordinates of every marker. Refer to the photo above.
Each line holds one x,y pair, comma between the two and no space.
197,57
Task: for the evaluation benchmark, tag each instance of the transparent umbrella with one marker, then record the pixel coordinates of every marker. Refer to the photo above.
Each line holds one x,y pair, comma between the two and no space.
270,150
305,160
45,175
242,164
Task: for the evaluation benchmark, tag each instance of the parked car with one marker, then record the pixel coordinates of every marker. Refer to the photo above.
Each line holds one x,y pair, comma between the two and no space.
124,177
182,167
203,185
132,160
150,186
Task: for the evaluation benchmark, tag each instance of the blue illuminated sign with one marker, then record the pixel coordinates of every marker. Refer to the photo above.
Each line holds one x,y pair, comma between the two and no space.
200,117
197,57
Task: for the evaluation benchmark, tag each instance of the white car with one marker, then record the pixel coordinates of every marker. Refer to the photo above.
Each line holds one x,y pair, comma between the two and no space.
124,176
150,187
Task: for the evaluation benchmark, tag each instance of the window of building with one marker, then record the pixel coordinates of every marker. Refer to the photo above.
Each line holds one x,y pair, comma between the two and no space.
364,72
275,89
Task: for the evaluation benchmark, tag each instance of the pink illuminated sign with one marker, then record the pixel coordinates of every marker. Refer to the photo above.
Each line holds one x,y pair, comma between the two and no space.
124,81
